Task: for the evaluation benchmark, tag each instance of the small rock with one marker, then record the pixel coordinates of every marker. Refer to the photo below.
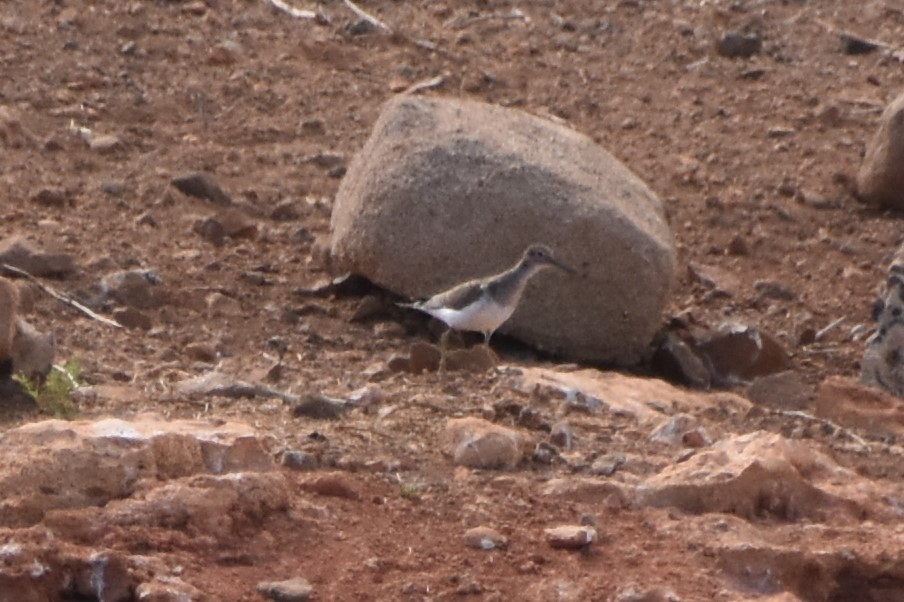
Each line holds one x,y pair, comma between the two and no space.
51,197
607,465
313,127
710,277
320,407
326,159
211,230
132,288
656,594
201,352
400,363
104,143
778,131
114,189
337,172
236,224
18,253
201,186
852,44
12,133
740,352
331,485
784,390
677,429
292,590
219,304
286,211
561,435
773,289
738,246
570,537
389,330
424,356
132,318
485,538
359,27
368,307
675,360
146,219
300,460
479,358
226,52
733,44
478,443
365,396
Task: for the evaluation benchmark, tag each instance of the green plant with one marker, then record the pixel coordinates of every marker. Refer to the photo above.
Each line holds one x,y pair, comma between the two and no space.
54,395
410,491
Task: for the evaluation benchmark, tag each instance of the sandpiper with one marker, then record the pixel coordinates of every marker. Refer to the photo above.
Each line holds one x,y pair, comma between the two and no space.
483,304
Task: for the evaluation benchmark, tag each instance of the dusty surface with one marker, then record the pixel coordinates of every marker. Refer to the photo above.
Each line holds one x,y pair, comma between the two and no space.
748,154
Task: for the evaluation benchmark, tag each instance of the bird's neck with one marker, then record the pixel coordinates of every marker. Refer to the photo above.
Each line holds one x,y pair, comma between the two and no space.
508,288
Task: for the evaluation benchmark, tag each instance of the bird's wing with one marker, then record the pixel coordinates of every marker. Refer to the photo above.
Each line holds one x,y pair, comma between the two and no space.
456,298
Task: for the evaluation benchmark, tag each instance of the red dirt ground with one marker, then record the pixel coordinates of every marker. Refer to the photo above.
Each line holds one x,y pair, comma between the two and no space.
761,151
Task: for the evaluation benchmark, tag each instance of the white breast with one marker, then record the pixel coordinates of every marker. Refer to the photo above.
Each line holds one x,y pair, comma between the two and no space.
484,316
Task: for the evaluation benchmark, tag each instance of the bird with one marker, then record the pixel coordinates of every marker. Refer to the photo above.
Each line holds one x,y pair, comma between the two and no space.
484,304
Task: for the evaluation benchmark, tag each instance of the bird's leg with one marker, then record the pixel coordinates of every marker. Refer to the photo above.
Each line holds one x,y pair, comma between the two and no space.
486,337
443,344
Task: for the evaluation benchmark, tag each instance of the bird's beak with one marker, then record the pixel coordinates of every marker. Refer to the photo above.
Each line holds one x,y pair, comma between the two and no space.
563,267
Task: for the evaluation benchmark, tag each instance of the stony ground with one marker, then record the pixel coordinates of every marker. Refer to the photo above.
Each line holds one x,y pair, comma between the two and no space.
753,157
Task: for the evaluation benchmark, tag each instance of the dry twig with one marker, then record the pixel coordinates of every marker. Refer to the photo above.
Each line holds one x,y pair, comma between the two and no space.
362,14
291,10
426,84
462,22
66,300
836,428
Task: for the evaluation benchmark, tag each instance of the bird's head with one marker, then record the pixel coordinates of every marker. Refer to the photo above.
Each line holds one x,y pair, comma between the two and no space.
542,256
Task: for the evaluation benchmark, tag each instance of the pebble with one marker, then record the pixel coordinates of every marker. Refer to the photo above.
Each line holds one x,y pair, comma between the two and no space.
485,538
299,460
570,537
319,407
607,465
854,45
132,318
561,435
104,143
51,197
477,443
20,254
298,589
424,356
286,211
331,485
202,186
734,44
219,304
132,288
211,230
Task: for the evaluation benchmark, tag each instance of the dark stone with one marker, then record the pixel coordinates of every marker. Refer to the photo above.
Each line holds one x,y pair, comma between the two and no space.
734,44
319,407
202,186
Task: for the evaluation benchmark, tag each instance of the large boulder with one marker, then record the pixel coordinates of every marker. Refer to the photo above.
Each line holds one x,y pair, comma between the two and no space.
448,190
881,177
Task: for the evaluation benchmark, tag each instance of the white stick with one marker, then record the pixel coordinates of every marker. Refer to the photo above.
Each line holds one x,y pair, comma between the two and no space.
366,16
424,85
295,12
61,297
